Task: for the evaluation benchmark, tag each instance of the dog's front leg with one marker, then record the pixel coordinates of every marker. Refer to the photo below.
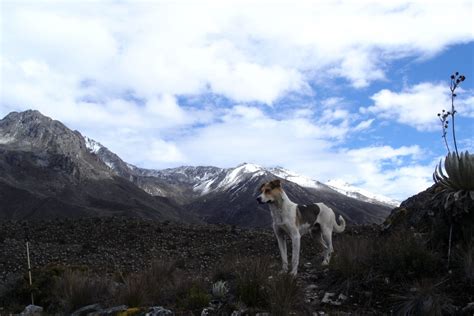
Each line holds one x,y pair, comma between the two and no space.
282,246
295,254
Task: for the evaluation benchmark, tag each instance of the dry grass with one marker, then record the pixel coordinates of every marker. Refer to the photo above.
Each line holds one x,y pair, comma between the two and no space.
252,276
282,294
79,288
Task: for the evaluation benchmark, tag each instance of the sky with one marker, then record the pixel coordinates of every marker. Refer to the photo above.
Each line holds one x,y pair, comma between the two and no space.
329,89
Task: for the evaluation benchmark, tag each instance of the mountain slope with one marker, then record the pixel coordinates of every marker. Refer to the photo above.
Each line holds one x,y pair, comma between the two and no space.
47,171
220,195
361,194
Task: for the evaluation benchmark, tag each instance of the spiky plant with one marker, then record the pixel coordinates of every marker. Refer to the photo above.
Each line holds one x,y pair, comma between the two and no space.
459,172
220,289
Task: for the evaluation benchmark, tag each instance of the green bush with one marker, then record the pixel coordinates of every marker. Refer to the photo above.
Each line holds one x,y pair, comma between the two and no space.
195,298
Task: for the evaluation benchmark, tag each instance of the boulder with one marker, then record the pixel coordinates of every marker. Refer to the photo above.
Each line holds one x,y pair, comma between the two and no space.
32,310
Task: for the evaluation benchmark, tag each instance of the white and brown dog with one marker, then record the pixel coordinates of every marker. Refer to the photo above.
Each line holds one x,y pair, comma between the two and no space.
296,220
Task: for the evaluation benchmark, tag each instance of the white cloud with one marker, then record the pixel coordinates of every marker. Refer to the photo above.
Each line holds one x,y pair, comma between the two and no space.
363,125
118,70
244,51
418,105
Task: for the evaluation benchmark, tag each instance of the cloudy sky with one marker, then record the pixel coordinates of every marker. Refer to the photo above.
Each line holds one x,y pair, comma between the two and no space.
333,90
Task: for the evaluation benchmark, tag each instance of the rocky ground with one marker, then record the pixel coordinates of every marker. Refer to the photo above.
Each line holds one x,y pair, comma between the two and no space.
108,245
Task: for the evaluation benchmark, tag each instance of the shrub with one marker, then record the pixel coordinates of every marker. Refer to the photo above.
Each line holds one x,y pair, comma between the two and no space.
195,298
252,274
160,280
79,288
354,257
402,256
133,293
282,294
423,298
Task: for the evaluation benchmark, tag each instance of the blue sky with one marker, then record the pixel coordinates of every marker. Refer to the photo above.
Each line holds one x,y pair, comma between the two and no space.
332,90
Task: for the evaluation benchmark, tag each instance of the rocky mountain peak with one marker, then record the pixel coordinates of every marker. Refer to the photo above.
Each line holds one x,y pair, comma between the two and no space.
55,144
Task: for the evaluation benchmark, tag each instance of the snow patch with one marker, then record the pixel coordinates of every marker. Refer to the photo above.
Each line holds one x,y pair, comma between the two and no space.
296,178
92,145
6,139
239,173
347,189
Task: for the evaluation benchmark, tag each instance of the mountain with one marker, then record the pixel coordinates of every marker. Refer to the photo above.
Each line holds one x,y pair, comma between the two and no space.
47,171
219,195
361,194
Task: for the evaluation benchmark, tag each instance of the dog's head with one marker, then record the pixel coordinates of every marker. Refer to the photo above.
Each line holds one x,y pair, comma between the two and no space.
269,192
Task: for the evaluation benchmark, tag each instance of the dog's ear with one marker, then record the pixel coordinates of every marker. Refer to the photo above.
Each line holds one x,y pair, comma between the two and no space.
275,184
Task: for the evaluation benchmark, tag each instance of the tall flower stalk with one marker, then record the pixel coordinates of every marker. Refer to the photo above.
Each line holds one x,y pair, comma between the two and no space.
456,79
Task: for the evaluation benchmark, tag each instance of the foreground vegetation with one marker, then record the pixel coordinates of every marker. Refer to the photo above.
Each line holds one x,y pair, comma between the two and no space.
378,272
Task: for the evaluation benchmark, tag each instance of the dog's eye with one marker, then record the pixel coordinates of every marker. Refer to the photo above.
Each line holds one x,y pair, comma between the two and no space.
267,190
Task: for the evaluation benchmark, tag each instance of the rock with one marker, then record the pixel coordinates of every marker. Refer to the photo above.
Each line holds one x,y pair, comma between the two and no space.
109,311
311,287
159,311
207,311
342,297
262,314
32,310
327,299
86,310
469,308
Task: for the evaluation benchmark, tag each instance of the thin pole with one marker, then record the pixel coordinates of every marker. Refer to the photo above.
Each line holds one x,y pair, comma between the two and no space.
449,243
29,272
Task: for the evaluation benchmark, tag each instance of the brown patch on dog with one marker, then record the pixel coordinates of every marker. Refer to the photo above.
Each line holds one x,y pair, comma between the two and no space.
307,214
272,188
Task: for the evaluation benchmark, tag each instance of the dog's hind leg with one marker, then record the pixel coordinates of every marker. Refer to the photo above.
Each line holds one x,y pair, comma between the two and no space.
280,235
326,241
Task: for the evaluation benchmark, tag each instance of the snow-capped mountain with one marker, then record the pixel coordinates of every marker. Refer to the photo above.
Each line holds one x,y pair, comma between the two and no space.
209,190
227,195
360,194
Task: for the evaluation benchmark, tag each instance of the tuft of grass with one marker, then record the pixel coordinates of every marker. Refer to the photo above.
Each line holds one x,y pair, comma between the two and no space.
252,275
282,294
133,293
423,298
160,281
403,256
79,288
195,298
354,257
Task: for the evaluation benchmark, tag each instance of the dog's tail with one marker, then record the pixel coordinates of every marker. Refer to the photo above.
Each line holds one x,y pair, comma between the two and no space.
339,228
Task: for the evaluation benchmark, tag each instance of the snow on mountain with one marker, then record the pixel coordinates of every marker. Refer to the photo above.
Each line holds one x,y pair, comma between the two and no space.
361,194
241,172
92,145
296,178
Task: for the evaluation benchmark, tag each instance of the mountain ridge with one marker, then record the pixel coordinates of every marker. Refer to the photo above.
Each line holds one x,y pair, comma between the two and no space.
202,193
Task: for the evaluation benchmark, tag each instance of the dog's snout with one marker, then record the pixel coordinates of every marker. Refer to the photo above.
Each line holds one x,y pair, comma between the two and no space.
259,199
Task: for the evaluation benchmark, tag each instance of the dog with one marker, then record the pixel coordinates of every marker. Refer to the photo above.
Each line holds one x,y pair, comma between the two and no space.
297,220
